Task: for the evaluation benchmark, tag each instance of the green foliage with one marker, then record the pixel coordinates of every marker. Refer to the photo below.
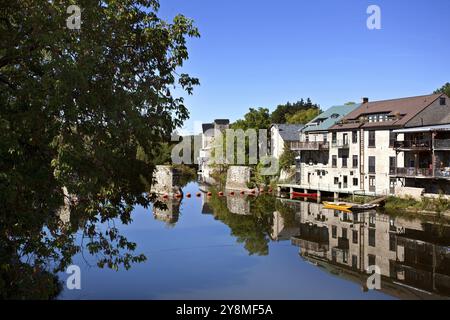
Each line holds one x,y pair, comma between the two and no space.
350,103
287,158
284,111
253,119
444,89
302,116
89,110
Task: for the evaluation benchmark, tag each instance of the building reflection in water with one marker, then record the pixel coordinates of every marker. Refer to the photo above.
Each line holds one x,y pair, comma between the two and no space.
413,256
170,213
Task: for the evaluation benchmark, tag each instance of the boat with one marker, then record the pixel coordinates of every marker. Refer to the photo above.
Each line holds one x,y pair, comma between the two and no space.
346,206
342,206
304,195
363,207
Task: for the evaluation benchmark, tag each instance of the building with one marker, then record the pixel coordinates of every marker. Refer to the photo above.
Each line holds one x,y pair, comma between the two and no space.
378,148
366,138
209,132
412,256
282,135
314,146
423,159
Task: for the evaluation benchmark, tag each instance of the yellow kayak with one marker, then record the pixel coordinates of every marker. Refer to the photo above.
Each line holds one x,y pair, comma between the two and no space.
342,206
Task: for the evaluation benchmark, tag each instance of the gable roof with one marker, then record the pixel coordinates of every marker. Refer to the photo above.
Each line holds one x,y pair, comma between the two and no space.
329,118
289,132
406,107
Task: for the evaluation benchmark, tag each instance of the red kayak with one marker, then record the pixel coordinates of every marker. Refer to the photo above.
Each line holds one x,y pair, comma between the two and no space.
304,195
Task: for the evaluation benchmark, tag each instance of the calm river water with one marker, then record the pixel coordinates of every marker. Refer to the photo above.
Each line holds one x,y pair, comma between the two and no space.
267,248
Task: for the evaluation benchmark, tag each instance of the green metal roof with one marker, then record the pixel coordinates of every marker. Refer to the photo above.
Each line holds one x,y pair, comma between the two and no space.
329,117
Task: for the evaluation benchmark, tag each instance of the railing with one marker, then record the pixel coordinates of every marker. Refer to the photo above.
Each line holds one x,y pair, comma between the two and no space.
413,144
442,173
340,144
310,146
442,144
414,172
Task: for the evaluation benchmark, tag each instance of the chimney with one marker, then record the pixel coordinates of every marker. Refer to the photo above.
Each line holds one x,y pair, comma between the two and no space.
365,100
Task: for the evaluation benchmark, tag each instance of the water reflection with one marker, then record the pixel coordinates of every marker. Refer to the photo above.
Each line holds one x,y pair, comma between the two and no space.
413,255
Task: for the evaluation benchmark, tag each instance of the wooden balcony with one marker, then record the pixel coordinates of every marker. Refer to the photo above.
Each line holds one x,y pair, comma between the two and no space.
442,144
412,172
310,146
413,145
341,144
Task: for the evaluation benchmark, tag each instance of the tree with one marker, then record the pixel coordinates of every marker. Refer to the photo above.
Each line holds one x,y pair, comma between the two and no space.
350,103
76,106
283,111
254,119
302,116
444,89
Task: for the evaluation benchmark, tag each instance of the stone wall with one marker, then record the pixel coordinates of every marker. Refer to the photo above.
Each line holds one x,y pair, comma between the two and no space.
164,181
406,192
238,205
238,177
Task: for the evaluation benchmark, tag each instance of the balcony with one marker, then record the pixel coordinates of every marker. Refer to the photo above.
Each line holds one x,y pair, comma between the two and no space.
413,172
442,144
310,146
343,144
413,145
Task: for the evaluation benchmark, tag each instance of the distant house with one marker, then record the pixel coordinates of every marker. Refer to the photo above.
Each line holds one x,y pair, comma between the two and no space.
282,135
209,131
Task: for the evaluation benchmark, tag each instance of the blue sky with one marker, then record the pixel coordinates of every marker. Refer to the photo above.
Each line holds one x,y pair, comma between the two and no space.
257,53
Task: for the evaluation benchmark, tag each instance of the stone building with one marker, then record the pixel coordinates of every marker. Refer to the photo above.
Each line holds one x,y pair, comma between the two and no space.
209,132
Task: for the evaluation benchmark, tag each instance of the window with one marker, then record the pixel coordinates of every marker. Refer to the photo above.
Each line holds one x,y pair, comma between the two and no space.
336,180
334,232
372,237
392,165
392,139
372,220
344,233
354,261
372,183
442,101
344,162
355,182
372,259
355,161
325,137
355,137
392,242
372,139
334,137
354,236
334,161
371,164
345,139
306,137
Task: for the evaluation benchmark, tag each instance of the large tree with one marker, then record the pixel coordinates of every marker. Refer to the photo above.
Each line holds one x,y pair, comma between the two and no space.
284,111
76,106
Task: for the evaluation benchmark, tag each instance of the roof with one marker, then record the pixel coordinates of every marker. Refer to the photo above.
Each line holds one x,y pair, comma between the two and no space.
329,118
442,127
222,121
207,126
289,132
407,108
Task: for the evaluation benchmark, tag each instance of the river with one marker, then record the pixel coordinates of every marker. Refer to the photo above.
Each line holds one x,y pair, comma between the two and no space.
237,247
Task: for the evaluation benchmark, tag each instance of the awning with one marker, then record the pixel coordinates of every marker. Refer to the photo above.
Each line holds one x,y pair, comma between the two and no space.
442,127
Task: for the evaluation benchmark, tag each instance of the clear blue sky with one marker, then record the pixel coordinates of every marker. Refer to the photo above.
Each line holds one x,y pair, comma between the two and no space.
257,53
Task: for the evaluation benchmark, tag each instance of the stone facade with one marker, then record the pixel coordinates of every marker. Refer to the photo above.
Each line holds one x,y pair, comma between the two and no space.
238,177
164,181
